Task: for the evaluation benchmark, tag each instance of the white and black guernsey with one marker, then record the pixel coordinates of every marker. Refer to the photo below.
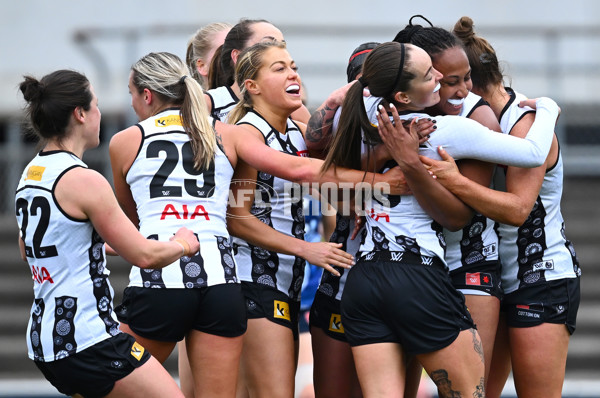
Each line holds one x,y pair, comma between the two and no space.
399,224
170,193
537,251
477,242
332,285
72,308
278,203
223,100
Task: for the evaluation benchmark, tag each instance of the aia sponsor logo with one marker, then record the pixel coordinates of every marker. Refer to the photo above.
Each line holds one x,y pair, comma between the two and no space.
40,274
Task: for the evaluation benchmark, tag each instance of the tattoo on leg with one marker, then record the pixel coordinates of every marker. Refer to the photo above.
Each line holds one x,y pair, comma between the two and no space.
477,345
443,383
480,389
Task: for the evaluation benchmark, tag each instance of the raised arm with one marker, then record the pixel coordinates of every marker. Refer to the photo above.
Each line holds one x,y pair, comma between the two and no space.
511,207
319,129
243,224
248,146
436,200
470,140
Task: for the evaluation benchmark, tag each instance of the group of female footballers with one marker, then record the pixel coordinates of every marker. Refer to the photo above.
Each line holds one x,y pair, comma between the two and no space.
462,268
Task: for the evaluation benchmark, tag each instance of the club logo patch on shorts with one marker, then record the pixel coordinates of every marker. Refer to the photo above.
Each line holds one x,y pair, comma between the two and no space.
478,279
137,350
281,310
335,323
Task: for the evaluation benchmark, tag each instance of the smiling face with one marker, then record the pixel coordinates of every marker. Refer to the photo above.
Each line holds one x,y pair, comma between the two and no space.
424,88
277,83
456,83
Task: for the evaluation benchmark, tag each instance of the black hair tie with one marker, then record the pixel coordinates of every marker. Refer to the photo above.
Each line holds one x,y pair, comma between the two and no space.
362,82
401,68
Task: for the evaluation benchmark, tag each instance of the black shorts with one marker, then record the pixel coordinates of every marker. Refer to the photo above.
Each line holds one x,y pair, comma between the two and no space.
325,314
265,302
484,277
549,302
407,301
94,371
169,314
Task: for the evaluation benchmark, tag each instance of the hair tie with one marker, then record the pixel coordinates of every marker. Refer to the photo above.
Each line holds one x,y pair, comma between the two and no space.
362,82
401,68
182,80
486,58
419,16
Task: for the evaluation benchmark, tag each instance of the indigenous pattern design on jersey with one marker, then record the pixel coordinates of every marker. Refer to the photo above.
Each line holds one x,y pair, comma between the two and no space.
72,307
398,223
331,285
279,206
223,100
538,250
170,193
477,242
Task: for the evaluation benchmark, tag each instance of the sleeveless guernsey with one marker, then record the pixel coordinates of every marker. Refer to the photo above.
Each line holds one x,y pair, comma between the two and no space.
477,242
223,100
399,224
170,193
538,250
280,207
72,308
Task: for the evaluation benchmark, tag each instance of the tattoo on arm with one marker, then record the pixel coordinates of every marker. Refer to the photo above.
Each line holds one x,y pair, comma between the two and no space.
319,125
220,142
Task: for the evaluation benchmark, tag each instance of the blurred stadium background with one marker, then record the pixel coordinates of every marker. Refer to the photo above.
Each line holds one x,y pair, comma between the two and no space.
549,48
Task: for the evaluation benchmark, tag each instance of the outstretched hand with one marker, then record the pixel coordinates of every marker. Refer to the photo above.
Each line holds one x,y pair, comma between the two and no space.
402,144
328,255
425,126
532,103
443,170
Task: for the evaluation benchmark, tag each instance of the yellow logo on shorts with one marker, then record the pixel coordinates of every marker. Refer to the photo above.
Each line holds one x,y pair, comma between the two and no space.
35,173
282,310
335,323
172,120
137,350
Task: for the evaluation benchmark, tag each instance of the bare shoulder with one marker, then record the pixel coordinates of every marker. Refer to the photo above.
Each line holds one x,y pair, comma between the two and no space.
123,137
301,126
486,116
523,125
124,146
81,188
